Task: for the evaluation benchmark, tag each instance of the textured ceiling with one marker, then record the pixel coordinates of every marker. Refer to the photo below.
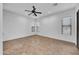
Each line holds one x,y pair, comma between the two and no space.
45,8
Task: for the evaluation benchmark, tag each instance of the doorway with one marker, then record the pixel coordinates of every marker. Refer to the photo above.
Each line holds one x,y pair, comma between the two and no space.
78,29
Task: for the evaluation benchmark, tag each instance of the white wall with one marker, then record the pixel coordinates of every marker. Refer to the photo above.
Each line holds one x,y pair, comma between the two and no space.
51,26
15,26
1,48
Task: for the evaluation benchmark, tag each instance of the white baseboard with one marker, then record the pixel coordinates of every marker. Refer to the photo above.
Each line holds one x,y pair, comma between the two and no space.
19,36
56,38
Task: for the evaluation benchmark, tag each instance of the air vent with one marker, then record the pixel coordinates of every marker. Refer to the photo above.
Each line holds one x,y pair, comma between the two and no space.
55,4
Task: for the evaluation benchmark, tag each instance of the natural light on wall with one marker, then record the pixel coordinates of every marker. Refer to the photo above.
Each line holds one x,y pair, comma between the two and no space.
51,20
22,20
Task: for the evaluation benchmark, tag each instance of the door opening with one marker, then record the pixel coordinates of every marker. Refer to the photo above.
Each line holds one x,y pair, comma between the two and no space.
78,29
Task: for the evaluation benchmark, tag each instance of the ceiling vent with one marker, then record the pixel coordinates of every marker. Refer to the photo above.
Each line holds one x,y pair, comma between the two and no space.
55,4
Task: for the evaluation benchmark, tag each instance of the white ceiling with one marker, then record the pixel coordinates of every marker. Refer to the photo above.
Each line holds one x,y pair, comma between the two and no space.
45,8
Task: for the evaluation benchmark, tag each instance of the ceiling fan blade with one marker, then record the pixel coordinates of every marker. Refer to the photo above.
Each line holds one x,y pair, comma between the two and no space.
28,10
30,14
39,12
35,14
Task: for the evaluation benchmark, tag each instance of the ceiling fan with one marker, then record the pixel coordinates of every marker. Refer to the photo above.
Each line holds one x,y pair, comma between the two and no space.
34,12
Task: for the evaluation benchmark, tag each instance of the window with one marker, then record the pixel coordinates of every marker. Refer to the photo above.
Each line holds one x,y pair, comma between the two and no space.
67,25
